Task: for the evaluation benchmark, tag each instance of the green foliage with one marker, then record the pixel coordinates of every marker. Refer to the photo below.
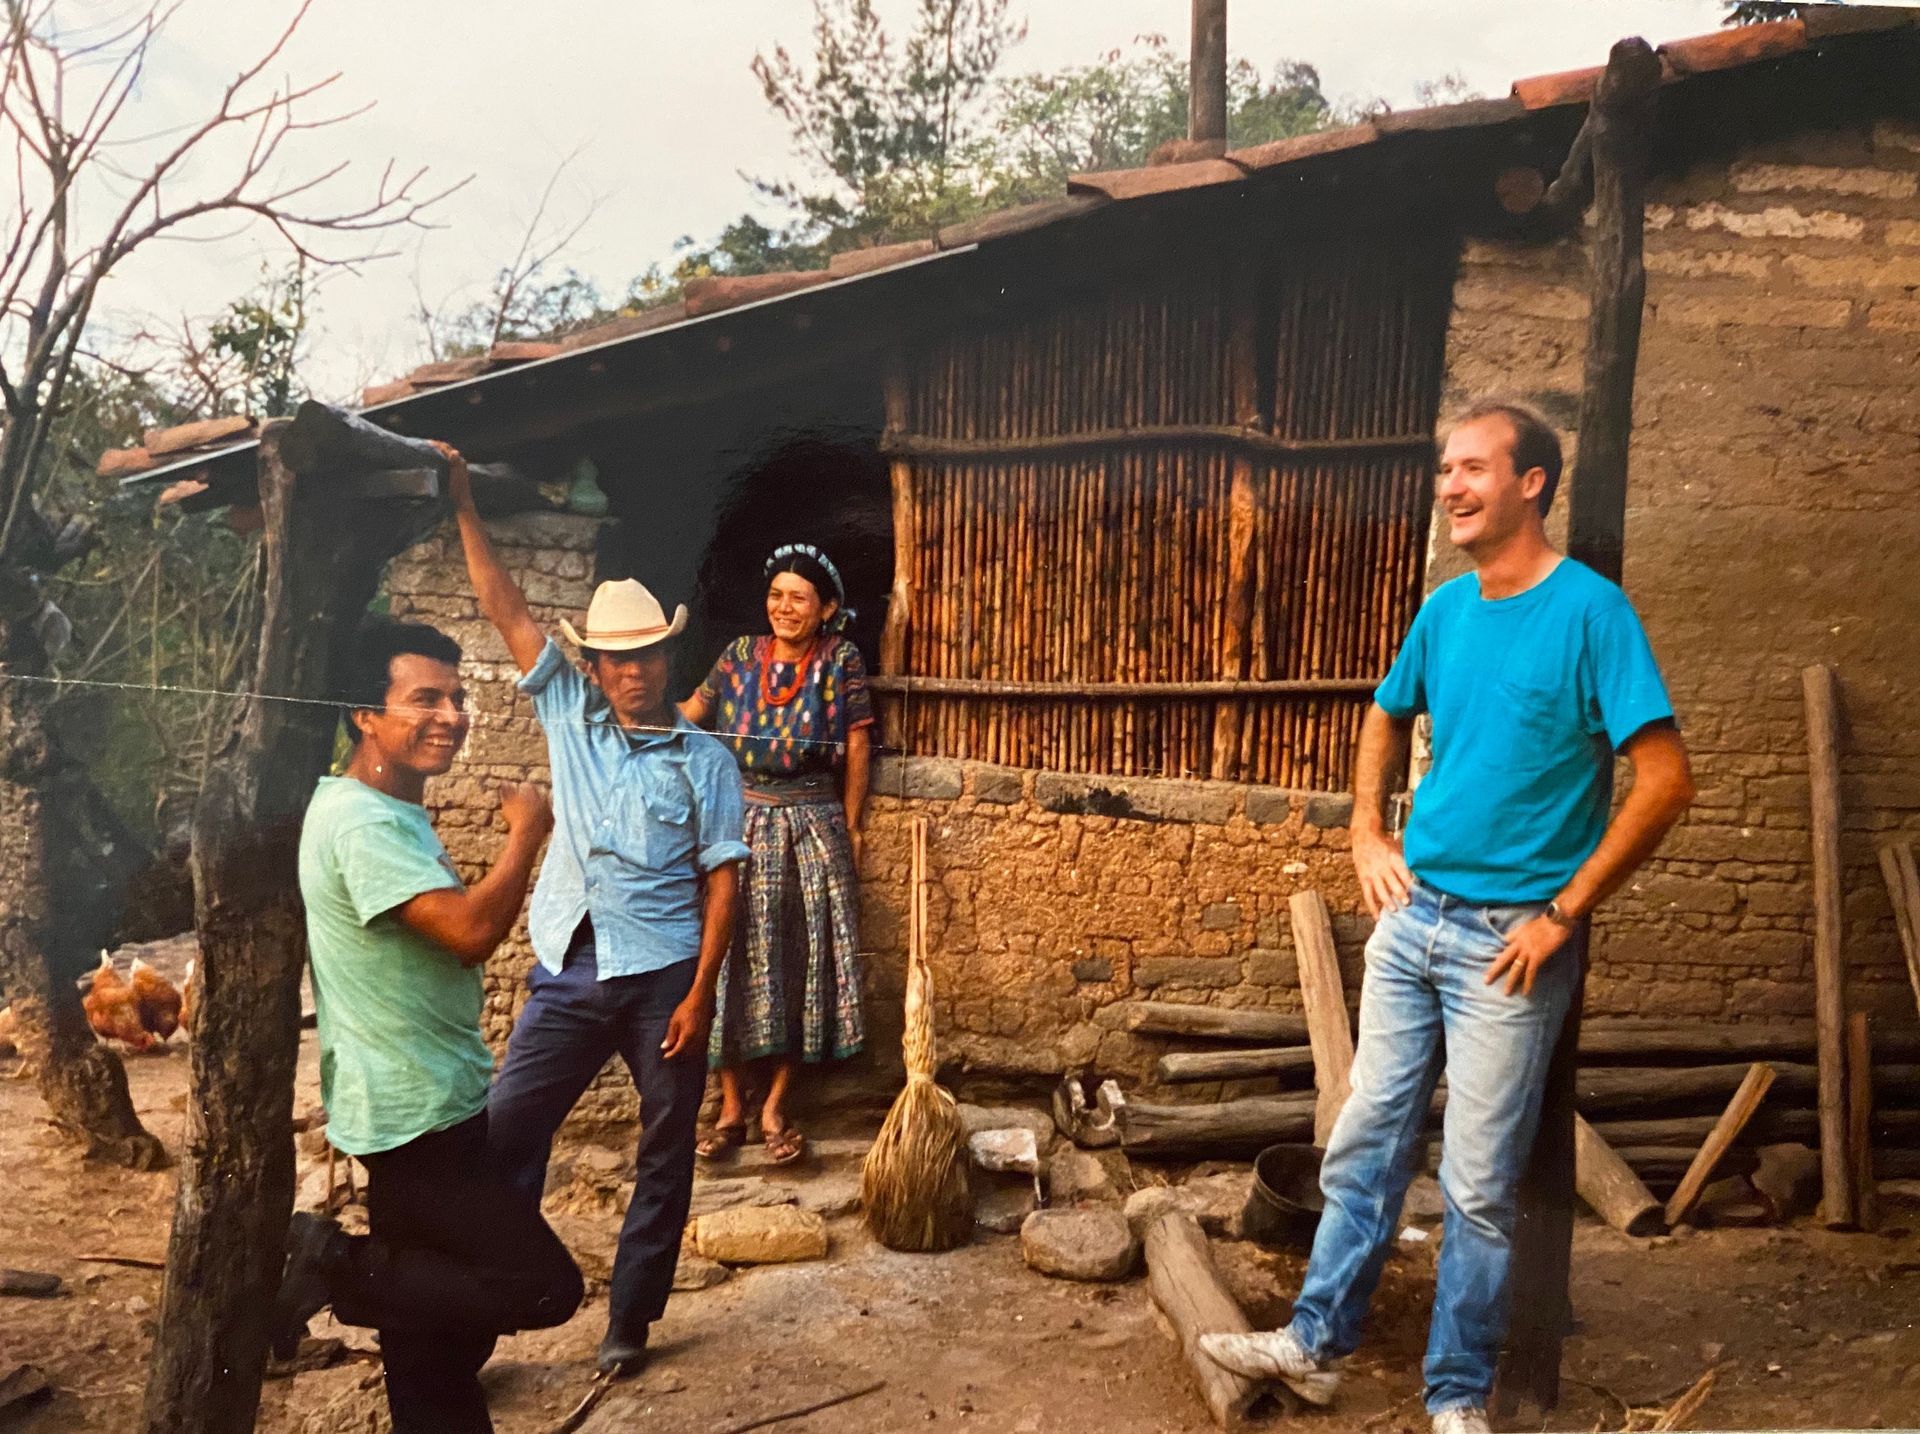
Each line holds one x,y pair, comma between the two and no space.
1116,113
258,340
528,305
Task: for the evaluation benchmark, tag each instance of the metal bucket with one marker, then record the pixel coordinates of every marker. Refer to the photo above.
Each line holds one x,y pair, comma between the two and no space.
1284,1204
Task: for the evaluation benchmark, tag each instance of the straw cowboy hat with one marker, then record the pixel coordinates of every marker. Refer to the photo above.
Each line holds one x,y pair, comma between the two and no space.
624,616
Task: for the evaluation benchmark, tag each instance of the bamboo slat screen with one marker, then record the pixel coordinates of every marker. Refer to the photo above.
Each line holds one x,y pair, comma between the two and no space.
1039,557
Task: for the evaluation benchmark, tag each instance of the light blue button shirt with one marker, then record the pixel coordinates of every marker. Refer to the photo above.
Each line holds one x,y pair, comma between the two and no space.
637,816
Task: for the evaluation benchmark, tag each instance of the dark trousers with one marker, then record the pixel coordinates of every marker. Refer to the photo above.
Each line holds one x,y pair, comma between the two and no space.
573,1023
453,1259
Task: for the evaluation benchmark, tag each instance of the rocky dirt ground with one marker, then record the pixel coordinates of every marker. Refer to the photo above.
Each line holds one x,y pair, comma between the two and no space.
1809,1329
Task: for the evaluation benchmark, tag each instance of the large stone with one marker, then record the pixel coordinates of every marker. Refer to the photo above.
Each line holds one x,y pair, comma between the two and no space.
697,1272
1079,1244
761,1235
1011,1150
1002,1203
1216,1201
976,1118
1075,1177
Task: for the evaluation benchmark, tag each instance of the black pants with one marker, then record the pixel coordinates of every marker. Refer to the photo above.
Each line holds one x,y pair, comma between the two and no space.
572,1024
454,1259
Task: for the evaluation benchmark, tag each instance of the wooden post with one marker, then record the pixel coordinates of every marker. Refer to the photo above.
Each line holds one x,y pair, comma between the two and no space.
1726,1130
1620,140
893,636
1329,1028
1243,368
1207,102
323,564
1860,1117
1829,954
1609,1186
1189,1291
1903,894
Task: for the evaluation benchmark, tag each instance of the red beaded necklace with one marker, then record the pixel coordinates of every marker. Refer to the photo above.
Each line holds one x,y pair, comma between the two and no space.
771,698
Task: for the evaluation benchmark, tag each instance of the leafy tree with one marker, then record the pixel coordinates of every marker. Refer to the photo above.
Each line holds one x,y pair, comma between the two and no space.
894,131
1756,12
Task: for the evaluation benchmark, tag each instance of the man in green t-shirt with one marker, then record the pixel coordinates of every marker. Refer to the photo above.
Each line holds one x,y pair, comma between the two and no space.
454,1257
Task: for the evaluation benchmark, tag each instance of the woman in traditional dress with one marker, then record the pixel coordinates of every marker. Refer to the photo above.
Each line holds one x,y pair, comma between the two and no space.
794,708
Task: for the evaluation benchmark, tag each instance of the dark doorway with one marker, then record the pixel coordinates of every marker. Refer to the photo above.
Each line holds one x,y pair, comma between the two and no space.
834,495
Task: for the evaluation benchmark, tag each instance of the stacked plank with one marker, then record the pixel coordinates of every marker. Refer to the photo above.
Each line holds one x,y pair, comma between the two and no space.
1651,1092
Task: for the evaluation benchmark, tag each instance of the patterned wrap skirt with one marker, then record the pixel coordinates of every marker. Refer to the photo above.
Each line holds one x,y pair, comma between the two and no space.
791,985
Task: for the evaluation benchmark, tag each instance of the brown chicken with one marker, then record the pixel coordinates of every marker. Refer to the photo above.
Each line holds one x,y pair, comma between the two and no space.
157,1000
112,1010
9,1023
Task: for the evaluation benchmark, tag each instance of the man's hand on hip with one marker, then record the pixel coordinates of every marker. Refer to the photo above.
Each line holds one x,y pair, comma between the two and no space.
1529,948
1385,881
687,1026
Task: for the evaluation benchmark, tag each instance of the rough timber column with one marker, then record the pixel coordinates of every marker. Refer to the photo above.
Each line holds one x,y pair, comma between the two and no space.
1620,128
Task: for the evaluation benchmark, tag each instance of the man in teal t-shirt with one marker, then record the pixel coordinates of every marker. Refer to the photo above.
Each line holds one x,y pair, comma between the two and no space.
453,1257
1535,672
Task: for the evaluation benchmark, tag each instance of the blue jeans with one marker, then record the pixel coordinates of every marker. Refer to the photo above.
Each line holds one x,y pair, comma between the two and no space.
572,1024
1425,1007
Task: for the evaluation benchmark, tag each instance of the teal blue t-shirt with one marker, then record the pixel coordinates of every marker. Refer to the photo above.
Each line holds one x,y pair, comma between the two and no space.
401,1052
1530,696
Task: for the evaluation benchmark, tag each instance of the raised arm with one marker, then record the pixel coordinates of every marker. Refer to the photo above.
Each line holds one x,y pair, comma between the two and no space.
501,601
1385,881
471,922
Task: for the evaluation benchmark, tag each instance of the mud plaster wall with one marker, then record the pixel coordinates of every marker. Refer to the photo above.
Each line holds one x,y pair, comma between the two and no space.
1773,521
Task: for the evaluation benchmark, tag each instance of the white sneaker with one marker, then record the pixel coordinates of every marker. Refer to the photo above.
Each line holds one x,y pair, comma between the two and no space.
1461,1421
1274,1355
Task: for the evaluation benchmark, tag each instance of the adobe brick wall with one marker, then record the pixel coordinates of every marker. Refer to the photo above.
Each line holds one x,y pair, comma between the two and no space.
1055,897
1774,521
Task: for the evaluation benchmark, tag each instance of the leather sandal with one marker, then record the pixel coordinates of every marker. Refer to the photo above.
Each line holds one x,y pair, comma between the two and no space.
722,1141
785,1145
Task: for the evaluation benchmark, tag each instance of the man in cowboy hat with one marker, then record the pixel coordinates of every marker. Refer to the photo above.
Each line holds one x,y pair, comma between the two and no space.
631,916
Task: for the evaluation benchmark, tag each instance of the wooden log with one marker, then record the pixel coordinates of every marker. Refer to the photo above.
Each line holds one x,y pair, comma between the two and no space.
322,438
1185,1066
1900,1127
1733,1120
1628,1042
1226,1130
1829,953
1165,1018
1242,509
1117,691
1624,1090
1902,876
1329,1028
1665,1164
1860,1078
1207,82
1183,1282
893,636
1609,1186
236,1185
1131,437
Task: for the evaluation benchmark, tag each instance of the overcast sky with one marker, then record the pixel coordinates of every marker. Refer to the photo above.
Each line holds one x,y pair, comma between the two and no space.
658,101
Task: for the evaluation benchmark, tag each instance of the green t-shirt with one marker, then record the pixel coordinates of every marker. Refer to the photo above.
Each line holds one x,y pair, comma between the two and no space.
401,1053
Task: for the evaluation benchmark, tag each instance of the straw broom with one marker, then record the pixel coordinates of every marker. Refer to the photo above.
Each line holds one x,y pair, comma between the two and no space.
914,1183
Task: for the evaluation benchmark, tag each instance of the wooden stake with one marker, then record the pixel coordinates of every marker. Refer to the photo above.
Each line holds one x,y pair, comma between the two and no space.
1860,1117
1183,1282
1829,954
1732,1121
1903,893
1328,1026
1609,1186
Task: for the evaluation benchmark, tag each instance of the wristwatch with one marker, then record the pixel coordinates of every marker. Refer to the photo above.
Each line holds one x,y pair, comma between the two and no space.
1557,916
